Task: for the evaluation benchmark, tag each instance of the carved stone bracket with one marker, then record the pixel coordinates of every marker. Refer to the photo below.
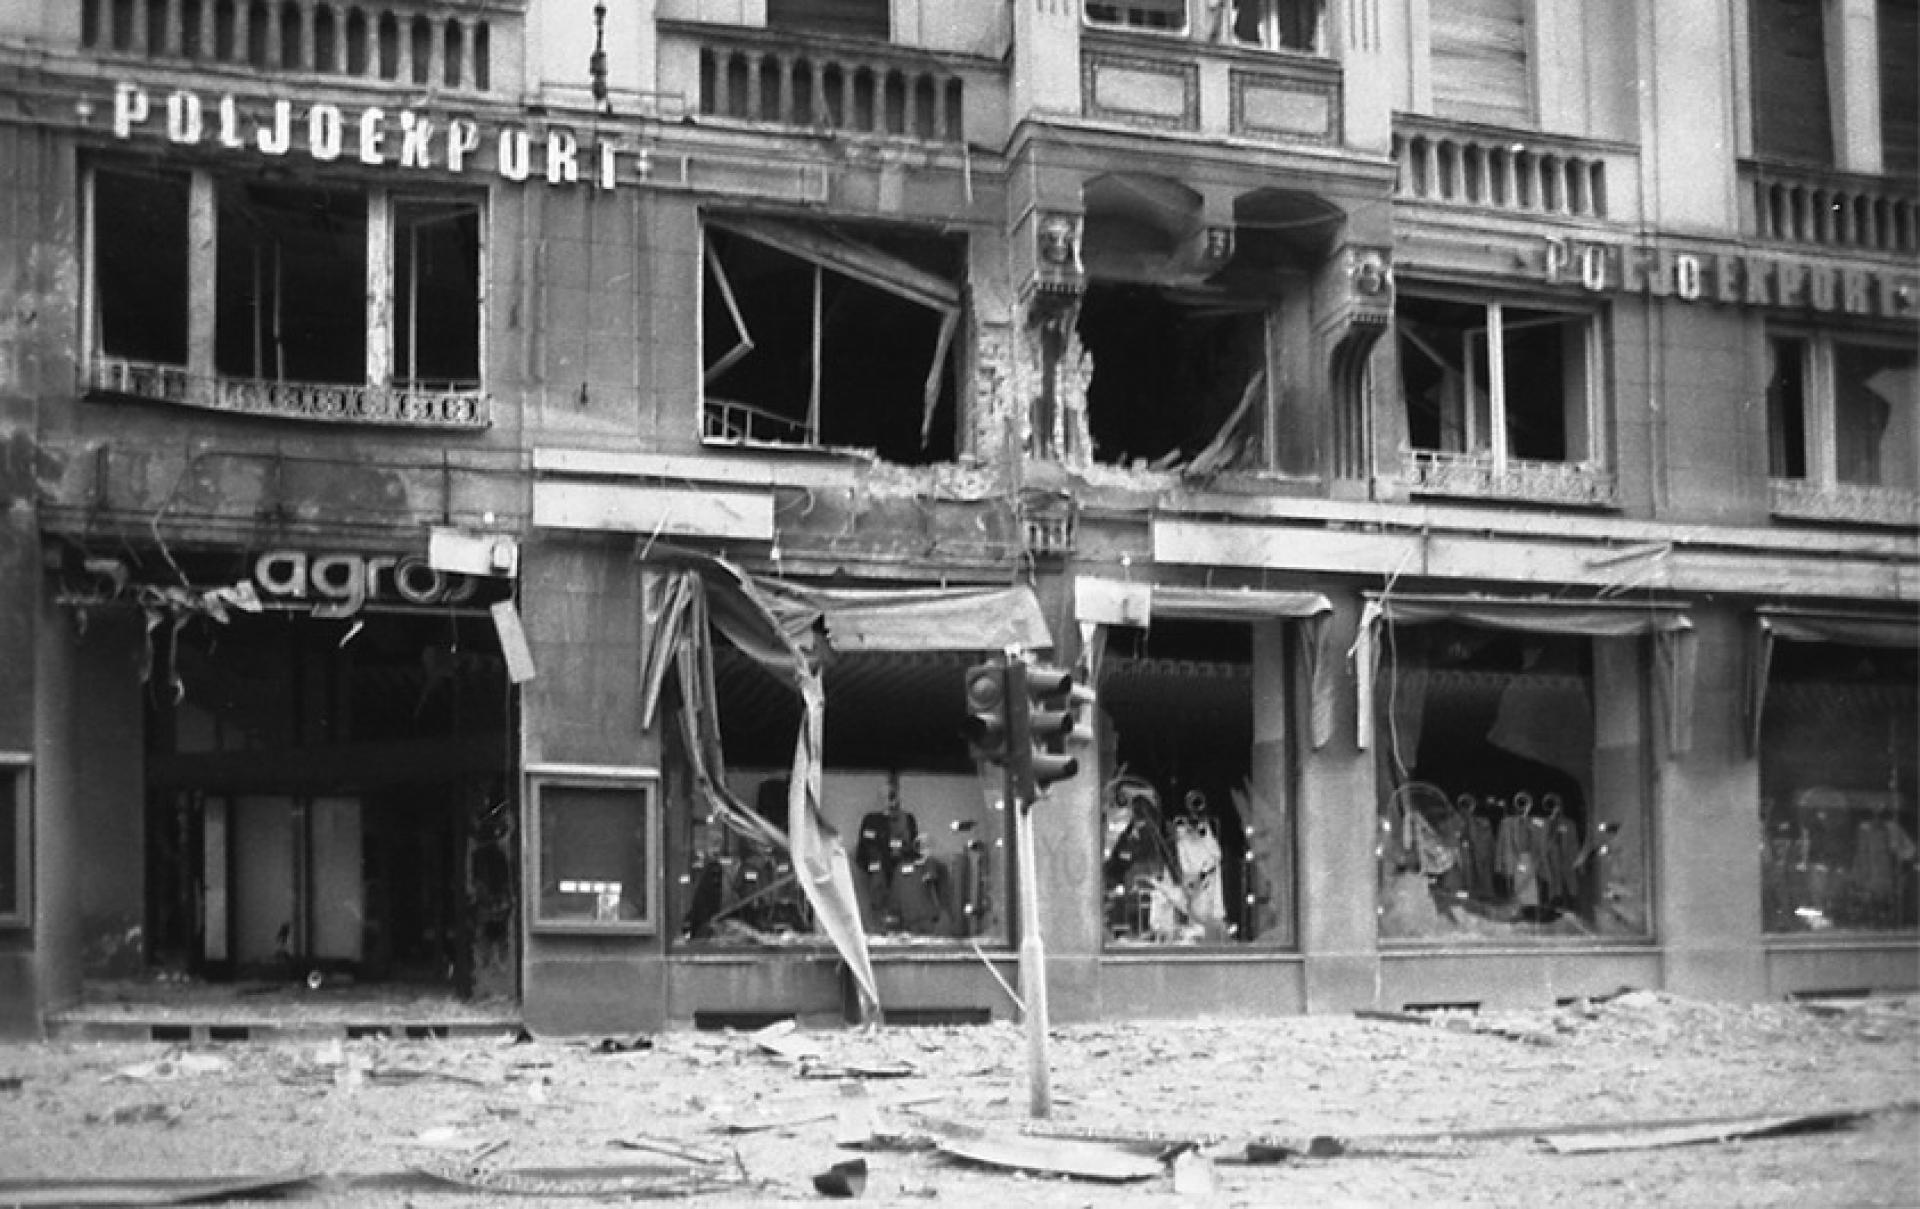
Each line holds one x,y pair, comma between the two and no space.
1059,273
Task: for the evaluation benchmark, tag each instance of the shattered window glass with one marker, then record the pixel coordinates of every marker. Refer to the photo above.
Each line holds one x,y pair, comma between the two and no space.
1175,377
1843,413
1490,379
1197,832
290,298
824,336
1838,780
928,840
1513,785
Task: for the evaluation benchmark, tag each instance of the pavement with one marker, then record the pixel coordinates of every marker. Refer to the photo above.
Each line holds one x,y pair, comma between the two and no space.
1640,1099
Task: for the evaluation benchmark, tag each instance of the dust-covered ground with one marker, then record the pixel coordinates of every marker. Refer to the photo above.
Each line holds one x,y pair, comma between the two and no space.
1440,1111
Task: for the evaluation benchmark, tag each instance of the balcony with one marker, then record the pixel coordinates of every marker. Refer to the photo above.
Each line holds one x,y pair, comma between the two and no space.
1157,81
1480,476
1844,503
819,84
441,46
1516,172
1817,209
389,406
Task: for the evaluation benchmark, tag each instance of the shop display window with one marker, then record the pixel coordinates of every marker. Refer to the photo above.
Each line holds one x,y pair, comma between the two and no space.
927,837
1838,789
1197,836
593,835
15,803
1514,773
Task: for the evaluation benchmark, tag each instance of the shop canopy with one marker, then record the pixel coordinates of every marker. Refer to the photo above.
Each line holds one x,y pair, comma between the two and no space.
784,627
1102,602
1803,625
1675,650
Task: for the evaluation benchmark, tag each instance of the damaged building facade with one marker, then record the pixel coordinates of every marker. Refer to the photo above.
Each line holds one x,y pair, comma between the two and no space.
502,496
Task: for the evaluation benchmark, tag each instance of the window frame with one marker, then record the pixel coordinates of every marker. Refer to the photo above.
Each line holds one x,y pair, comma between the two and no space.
1183,30
1268,23
385,312
1591,435
621,779
1819,409
17,768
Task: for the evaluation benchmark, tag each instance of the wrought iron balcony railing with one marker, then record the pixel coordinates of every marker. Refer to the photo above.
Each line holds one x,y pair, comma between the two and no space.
1477,476
405,406
1854,503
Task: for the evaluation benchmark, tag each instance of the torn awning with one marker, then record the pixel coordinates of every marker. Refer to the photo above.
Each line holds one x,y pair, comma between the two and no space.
1115,602
782,626
1674,645
1798,625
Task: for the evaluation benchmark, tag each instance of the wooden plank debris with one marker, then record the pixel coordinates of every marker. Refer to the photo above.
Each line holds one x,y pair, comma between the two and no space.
1054,1156
1689,1135
135,1190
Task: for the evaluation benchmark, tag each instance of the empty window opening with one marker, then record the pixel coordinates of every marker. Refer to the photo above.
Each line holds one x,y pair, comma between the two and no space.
848,18
140,265
1196,847
1281,24
1899,37
292,284
436,252
1513,771
823,337
930,851
1497,380
1172,373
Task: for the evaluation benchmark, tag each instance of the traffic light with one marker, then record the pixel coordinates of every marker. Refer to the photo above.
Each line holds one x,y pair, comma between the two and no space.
989,720
1045,700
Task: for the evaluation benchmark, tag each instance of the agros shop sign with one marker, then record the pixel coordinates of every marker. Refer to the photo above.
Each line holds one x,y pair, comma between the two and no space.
340,584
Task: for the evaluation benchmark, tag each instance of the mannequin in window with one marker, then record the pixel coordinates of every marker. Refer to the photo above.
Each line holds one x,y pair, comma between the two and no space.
889,838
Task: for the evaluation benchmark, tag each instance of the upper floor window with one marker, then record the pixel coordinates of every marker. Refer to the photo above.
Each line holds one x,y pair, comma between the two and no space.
820,335
1279,24
1843,419
284,298
852,18
1501,399
1791,118
1805,57
1480,61
1167,15
1899,37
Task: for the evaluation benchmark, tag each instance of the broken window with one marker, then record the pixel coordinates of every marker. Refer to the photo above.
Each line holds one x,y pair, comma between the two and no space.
1178,378
927,839
1281,24
1513,774
1197,838
848,18
224,291
1503,388
1169,15
1837,773
15,804
1843,413
823,336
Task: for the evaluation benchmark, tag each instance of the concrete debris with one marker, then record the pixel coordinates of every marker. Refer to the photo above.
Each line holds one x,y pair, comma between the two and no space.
844,1179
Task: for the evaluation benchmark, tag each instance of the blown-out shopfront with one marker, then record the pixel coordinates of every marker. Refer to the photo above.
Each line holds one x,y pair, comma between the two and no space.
307,762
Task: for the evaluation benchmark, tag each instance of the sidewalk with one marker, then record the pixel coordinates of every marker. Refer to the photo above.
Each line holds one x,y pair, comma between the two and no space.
1446,1110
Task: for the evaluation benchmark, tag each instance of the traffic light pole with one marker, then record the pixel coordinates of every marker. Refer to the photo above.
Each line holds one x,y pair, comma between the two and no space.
1033,968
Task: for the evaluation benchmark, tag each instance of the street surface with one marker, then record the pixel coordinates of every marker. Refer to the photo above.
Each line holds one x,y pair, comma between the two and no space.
743,1120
